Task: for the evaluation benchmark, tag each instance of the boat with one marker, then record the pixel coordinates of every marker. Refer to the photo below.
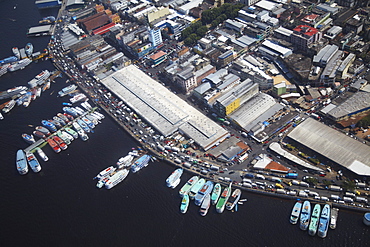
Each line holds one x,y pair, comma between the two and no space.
80,131
216,192
88,122
124,161
50,126
201,194
296,211
140,163
220,206
79,111
9,106
27,99
233,199
67,90
116,178
4,69
206,203
33,162
43,130
59,120
53,145
105,173
71,132
21,64
21,162
38,92
333,218
70,111
83,125
39,79
324,221
188,185
47,20
1,116
28,138
56,123
61,135
172,179
29,49
46,86
42,154
101,182
184,203
9,93
93,119
99,114
312,228
60,142
67,104
63,117
16,52
69,117
77,98
194,190
305,215
366,219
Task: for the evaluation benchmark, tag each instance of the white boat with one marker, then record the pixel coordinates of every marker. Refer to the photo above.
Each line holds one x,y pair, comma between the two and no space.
233,199
296,211
77,98
172,180
42,154
20,64
105,173
205,205
67,90
116,178
102,182
33,162
1,116
333,218
125,161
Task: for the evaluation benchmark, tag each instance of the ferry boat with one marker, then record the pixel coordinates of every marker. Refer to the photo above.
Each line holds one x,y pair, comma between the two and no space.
9,106
29,49
77,98
79,111
28,138
27,99
60,143
105,173
172,179
42,154
305,215
205,190
194,190
215,193
4,69
324,221
333,218
101,182
233,199
312,228
43,130
125,161
71,132
67,90
205,205
21,162
13,92
116,178
33,162
188,185
184,203
49,125
39,79
19,65
294,216
140,163
220,206
53,145
83,125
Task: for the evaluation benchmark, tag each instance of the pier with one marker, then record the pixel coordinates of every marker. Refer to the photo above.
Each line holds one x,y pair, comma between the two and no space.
39,30
38,144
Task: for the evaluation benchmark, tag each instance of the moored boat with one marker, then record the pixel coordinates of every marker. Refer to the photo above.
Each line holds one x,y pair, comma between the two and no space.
140,163
43,130
194,190
59,120
206,203
172,179
305,215
69,117
366,219
80,131
296,211
102,182
9,106
62,135
53,145
21,162
188,185
29,49
42,154
88,122
184,203
333,218
233,199
63,117
50,126
116,178
105,173
77,98
220,206
67,90
33,162
71,132
60,143
16,52
124,161
203,192
216,192
83,126
312,228
71,111
39,134
28,138
324,221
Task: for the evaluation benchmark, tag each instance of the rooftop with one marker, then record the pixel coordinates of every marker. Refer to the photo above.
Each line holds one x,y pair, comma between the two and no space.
358,101
306,30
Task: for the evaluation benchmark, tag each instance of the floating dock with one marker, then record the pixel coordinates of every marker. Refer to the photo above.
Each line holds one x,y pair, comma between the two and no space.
46,4
39,30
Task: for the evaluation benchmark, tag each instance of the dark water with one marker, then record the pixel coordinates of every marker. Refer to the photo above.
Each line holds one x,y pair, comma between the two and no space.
60,206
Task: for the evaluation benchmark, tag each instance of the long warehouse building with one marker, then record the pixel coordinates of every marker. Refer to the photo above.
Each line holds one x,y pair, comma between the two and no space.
342,149
162,109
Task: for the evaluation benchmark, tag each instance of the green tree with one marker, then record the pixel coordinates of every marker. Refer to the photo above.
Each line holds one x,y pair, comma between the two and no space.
312,180
201,31
364,122
349,185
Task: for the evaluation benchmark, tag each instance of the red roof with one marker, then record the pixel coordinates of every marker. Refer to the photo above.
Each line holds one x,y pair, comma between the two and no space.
103,29
306,30
158,55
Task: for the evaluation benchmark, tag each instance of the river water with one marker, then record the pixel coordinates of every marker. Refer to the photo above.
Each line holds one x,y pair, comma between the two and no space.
60,206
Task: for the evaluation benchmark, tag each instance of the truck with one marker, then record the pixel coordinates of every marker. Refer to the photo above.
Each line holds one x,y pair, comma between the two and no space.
304,184
302,194
214,168
275,179
334,197
280,191
259,176
295,182
361,199
291,175
335,188
347,199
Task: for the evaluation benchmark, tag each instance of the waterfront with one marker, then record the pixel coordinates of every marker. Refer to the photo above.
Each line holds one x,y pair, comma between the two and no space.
60,206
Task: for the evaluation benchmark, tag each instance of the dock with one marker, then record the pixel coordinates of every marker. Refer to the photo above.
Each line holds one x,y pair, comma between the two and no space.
39,30
38,144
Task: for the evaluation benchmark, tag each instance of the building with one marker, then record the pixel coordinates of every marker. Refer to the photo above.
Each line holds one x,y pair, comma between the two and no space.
93,22
304,35
225,58
231,100
158,57
273,50
45,4
186,79
333,32
279,89
164,111
155,37
283,33
248,2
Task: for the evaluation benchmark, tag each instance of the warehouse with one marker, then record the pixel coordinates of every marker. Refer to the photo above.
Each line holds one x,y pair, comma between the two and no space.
162,109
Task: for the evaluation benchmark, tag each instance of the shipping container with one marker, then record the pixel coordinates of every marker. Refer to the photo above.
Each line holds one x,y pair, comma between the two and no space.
335,188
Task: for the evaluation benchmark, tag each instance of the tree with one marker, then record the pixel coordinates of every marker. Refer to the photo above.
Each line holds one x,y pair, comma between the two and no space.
364,122
201,31
349,185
